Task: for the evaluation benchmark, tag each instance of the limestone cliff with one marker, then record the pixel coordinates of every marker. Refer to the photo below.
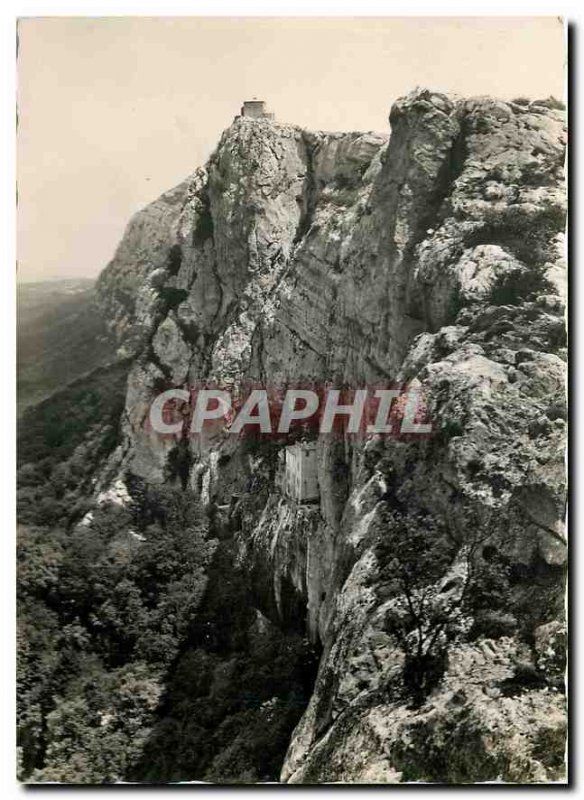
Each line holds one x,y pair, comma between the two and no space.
431,572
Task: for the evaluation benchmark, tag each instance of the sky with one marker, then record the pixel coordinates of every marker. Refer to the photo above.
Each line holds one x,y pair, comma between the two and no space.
113,111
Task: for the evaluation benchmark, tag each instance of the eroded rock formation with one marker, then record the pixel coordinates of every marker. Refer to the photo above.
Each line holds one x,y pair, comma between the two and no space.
431,572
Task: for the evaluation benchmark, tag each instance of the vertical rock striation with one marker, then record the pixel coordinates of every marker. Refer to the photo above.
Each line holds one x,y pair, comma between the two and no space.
432,571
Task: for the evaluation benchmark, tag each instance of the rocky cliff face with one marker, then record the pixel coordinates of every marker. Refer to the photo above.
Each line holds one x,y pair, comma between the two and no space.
431,571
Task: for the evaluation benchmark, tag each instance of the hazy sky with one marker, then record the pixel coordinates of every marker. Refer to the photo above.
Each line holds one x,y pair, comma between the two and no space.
114,111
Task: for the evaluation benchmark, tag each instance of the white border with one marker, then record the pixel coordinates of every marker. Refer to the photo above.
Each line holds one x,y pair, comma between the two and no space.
293,8
9,11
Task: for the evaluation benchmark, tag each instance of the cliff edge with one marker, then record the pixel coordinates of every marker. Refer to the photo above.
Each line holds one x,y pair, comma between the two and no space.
431,572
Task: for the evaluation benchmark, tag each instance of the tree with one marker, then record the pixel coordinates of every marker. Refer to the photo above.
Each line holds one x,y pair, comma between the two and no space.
426,586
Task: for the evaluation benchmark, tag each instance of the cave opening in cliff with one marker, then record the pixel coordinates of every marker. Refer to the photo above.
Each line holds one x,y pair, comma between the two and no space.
235,692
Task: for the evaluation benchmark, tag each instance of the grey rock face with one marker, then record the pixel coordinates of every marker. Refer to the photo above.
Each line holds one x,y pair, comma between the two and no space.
431,571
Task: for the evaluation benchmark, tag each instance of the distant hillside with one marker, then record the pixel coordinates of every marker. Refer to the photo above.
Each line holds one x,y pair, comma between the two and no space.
60,336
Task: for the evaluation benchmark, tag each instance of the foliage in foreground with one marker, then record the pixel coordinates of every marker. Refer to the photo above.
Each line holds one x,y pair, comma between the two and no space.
141,658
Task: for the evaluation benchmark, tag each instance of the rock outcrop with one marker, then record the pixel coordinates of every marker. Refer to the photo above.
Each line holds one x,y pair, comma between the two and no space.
431,572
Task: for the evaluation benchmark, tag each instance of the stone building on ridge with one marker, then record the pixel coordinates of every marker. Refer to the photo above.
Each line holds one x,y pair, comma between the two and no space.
255,109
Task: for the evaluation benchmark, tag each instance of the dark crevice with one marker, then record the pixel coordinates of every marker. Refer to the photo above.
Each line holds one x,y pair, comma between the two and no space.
204,226
449,172
309,192
174,260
